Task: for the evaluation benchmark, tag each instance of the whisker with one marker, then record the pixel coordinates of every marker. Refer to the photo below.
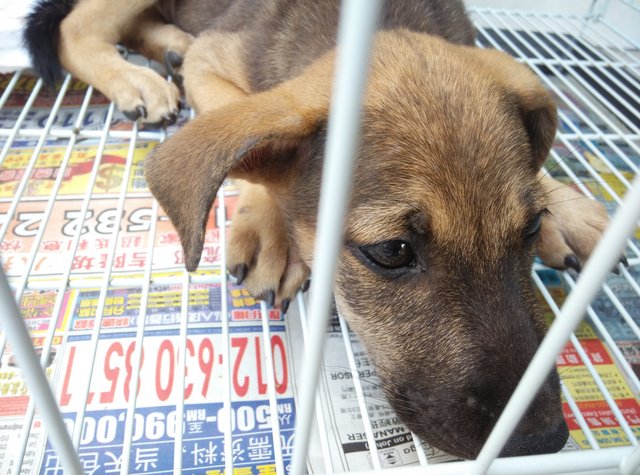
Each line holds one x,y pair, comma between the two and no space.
571,199
564,185
569,154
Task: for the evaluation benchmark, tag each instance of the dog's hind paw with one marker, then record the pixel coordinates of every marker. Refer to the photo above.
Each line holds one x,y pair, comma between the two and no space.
260,255
571,229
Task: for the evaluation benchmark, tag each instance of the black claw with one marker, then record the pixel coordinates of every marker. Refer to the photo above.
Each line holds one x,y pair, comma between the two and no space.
140,111
615,270
178,79
240,272
572,261
306,286
170,118
270,297
624,261
172,61
284,306
131,115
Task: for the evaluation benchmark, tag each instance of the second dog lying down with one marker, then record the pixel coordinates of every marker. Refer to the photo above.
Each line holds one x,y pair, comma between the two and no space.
448,204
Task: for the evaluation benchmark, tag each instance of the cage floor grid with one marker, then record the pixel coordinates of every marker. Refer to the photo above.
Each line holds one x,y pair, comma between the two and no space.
98,271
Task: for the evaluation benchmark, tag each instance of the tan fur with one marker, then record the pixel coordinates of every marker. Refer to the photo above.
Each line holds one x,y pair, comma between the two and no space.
152,36
214,72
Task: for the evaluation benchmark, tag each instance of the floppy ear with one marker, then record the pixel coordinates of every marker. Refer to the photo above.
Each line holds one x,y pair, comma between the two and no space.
537,106
185,172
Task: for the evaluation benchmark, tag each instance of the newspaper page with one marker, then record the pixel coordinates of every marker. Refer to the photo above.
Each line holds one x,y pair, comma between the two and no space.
155,422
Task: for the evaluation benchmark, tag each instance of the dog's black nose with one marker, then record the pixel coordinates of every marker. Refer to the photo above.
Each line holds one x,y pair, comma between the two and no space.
536,444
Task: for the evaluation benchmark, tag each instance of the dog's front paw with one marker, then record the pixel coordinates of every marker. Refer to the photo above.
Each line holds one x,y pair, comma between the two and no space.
141,93
571,229
260,254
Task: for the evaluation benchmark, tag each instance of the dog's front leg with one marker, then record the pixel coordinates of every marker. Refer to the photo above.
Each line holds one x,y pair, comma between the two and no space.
214,74
88,36
158,40
260,253
572,228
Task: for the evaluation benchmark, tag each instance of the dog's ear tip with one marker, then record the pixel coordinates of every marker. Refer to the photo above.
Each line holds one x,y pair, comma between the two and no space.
192,246
192,258
192,264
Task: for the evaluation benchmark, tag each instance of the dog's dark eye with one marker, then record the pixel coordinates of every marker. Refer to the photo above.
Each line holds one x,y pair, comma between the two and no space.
533,228
390,254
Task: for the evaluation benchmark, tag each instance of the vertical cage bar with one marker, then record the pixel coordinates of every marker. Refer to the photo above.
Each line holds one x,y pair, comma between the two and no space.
322,427
362,403
221,216
137,355
271,387
36,379
180,378
358,20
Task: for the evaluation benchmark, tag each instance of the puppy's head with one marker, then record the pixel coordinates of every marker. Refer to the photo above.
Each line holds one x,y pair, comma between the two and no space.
434,274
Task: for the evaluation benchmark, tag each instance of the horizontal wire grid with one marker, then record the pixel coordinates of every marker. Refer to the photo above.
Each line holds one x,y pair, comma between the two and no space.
591,68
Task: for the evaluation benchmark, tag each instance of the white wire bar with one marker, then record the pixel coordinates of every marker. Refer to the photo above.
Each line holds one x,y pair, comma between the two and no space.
362,402
271,387
13,132
322,429
36,379
358,20
601,69
182,362
221,219
137,355
422,456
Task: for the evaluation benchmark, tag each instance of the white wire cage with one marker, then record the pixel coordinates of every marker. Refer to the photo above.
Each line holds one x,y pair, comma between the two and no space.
98,275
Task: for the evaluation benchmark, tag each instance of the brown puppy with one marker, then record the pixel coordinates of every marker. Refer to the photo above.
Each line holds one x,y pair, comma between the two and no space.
447,207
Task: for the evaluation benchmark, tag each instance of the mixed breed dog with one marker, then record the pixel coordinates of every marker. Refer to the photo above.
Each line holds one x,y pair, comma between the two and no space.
448,205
